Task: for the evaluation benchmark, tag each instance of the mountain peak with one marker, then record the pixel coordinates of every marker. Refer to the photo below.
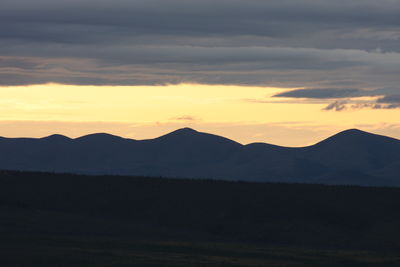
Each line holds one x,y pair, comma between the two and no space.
190,135
352,136
349,134
356,133
185,130
353,131
56,137
182,132
100,137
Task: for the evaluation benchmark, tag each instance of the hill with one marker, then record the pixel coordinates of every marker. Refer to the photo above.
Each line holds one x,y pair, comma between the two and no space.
75,220
362,158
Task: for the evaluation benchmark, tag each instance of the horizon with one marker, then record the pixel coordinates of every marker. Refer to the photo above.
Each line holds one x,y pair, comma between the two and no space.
195,130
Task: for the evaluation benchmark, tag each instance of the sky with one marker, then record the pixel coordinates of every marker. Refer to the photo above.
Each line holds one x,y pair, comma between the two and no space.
287,72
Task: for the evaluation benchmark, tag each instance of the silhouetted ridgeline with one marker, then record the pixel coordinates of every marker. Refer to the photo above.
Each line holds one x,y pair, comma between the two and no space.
350,157
140,208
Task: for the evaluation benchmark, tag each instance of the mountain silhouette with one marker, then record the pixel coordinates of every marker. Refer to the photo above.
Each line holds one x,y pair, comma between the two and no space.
350,157
357,150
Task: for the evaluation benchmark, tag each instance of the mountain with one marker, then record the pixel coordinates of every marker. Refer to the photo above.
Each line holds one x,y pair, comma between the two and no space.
350,157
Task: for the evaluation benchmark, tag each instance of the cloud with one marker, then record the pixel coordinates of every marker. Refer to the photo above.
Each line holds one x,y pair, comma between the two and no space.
267,66
385,102
288,43
391,99
336,106
191,17
185,118
320,93
348,98
389,102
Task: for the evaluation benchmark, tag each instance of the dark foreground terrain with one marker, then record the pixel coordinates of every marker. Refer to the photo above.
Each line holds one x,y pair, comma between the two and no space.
71,220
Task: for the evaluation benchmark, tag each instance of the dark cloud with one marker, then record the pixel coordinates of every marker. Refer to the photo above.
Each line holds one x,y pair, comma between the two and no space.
391,99
287,43
347,97
320,93
385,102
374,106
336,106
226,17
389,102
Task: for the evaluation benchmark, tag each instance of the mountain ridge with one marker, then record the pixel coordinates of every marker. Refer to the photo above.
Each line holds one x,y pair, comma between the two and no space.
187,131
366,158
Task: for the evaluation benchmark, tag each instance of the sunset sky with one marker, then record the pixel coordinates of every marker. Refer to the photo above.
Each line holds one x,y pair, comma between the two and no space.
288,72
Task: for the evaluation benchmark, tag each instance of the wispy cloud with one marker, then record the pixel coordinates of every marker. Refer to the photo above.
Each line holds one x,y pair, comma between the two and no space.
320,93
344,98
336,106
185,118
386,102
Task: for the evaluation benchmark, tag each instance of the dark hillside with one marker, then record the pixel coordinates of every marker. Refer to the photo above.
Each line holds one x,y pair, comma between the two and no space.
139,207
371,160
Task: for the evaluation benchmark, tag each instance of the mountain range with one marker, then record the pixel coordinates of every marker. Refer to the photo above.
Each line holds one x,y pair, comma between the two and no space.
351,157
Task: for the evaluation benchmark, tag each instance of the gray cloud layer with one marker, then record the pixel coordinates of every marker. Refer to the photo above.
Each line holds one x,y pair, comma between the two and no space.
345,97
323,44
320,93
